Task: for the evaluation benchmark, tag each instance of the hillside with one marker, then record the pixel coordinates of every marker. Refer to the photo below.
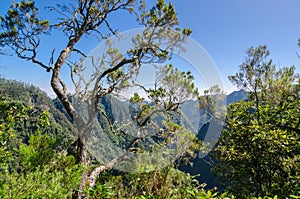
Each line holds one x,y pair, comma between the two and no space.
103,143
31,96
61,125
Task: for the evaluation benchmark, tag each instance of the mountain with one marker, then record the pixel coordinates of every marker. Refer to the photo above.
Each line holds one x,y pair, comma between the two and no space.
103,143
236,96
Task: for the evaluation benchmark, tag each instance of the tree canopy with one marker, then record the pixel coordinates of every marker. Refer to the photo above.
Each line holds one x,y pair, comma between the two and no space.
259,147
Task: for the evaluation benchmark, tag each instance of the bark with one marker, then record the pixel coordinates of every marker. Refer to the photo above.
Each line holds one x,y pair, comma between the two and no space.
85,176
56,83
89,177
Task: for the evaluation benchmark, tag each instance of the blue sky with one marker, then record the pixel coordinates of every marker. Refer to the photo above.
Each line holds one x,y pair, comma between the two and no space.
225,28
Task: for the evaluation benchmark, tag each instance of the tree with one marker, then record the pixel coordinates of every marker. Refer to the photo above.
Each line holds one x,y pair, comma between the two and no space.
23,31
259,149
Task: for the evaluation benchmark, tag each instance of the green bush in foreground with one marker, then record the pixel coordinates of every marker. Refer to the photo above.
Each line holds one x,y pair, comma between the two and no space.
168,182
42,183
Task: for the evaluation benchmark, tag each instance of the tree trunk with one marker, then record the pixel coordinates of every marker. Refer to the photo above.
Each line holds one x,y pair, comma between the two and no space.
80,152
84,160
89,177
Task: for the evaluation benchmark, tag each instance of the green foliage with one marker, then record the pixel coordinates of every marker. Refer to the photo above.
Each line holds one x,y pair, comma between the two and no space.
21,27
172,88
10,112
40,112
257,157
44,182
256,71
32,169
38,152
168,182
212,103
178,85
165,183
40,148
258,152
160,15
160,112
